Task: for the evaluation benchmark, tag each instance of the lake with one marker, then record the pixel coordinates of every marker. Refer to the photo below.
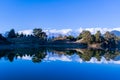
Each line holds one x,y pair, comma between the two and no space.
59,64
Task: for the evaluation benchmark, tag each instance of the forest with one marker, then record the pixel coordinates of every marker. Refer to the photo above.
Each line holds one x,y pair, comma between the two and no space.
97,40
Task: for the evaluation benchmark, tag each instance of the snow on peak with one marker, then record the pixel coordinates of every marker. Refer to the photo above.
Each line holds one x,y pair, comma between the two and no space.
56,32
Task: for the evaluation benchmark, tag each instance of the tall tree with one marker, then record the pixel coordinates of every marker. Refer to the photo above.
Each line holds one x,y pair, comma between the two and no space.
109,35
111,40
38,57
86,36
98,37
11,34
39,33
79,37
72,38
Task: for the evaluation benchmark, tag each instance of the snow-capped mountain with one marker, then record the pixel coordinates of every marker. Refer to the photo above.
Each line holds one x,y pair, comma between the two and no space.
117,33
53,32
56,32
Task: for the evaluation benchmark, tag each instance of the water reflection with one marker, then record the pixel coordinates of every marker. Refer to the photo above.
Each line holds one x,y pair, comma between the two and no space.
56,54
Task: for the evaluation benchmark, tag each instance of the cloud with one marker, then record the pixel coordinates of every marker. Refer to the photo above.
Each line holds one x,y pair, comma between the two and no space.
25,57
94,30
49,31
118,29
62,31
57,57
75,32
55,32
102,30
71,58
94,60
54,57
27,32
76,58
103,60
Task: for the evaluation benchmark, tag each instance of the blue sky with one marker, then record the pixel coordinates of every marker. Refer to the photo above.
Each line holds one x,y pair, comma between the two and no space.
58,14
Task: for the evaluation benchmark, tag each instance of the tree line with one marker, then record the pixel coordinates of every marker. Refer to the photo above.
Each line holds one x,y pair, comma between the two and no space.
37,32
107,40
37,55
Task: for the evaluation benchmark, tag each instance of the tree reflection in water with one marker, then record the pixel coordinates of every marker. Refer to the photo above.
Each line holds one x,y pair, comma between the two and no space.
39,54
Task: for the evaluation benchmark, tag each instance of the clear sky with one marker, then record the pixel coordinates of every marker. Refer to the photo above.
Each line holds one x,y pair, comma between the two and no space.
58,14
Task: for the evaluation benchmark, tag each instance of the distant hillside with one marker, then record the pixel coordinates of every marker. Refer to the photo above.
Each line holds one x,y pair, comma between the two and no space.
3,40
117,33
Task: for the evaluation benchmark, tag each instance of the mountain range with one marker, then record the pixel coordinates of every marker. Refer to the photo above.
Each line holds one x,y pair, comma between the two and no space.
117,33
55,32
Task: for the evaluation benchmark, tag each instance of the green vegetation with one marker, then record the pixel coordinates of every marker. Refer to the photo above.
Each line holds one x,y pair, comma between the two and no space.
86,37
103,45
98,37
71,38
3,40
107,40
37,55
11,34
39,33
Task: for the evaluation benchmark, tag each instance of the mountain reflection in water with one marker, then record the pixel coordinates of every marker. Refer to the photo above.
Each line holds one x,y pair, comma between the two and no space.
69,55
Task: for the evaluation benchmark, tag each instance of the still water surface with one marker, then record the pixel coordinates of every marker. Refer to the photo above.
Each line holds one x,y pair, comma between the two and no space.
59,64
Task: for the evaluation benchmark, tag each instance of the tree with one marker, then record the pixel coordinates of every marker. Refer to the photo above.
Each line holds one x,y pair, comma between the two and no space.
92,38
109,35
11,57
70,37
2,38
39,33
38,57
110,40
11,34
98,37
86,36
79,37
21,35
17,35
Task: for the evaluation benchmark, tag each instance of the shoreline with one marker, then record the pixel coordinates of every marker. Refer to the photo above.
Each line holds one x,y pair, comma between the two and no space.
65,45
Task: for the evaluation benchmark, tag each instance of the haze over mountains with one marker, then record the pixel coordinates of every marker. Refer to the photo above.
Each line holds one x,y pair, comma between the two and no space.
117,33
75,32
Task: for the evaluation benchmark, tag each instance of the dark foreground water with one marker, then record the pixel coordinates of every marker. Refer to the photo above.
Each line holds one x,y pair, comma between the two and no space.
59,64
